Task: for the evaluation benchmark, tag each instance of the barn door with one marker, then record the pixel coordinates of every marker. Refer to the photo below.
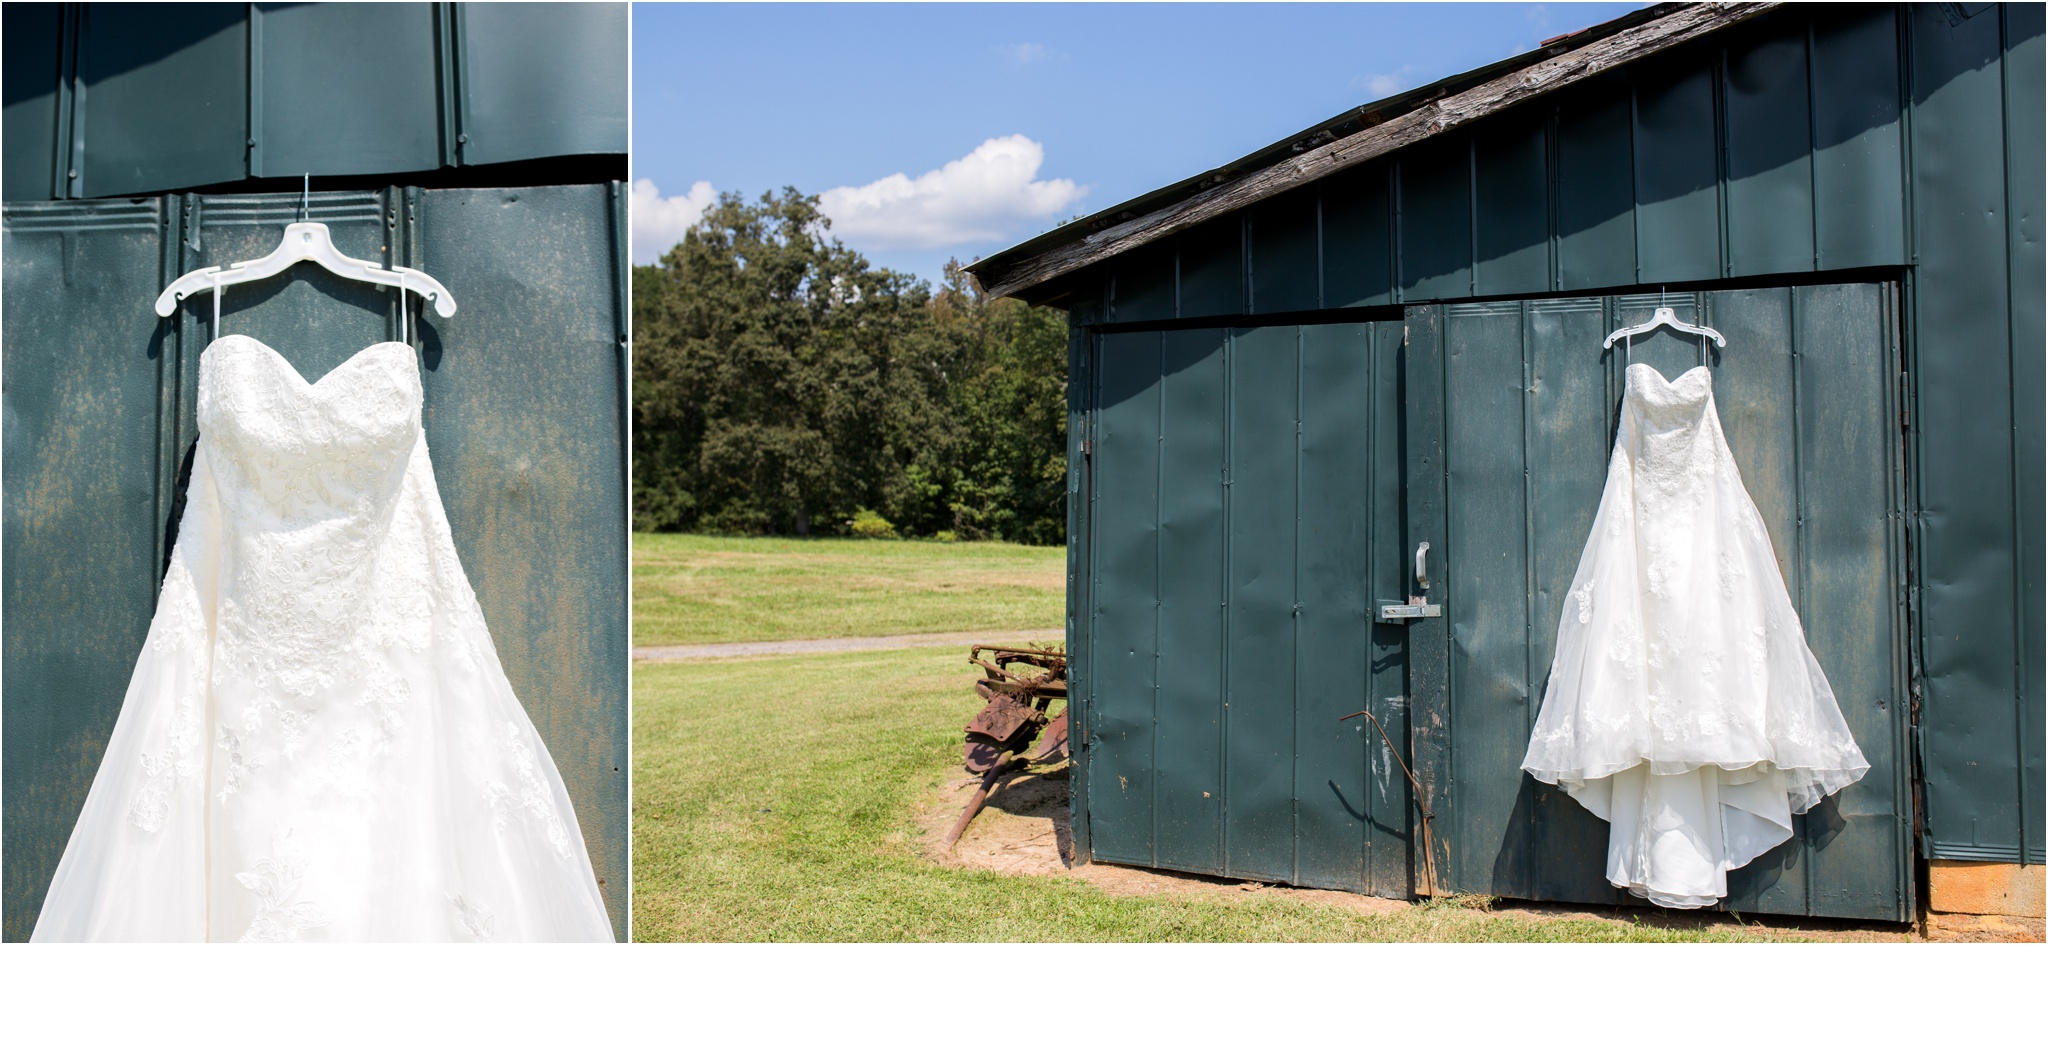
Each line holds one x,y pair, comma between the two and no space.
1511,409
1244,519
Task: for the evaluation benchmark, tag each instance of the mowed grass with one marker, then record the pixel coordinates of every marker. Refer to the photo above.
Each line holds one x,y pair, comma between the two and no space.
774,799
689,589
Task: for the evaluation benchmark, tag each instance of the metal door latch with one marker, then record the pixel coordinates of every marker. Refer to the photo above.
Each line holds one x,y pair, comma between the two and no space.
1413,609
1417,606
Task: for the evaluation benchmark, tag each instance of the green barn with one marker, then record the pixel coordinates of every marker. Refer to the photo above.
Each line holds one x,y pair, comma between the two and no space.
1289,374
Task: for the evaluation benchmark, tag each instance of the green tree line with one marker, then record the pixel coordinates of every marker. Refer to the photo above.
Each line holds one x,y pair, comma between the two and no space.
782,385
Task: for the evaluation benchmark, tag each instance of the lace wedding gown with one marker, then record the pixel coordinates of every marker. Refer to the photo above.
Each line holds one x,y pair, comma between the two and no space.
318,742
1684,706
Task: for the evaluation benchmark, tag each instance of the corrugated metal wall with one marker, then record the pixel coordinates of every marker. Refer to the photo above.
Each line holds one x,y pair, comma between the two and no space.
524,412
125,99
1903,141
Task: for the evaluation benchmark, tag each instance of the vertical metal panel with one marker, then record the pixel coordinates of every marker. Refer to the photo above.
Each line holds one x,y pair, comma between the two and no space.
541,79
1080,502
1090,304
163,95
1845,379
1285,266
1332,785
312,106
2024,181
1259,720
1970,712
1567,426
1435,211
1511,207
1677,188
1491,706
1595,187
521,394
1124,649
1858,187
536,492
1358,267
1429,638
82,518
1212,269
30,92
1192,468
1142,286
1390,819
1769,135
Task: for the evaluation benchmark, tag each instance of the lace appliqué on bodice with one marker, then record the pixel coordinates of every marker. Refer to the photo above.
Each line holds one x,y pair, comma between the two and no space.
318,740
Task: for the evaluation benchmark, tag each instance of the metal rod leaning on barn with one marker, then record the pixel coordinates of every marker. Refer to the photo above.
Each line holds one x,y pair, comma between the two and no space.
1428,839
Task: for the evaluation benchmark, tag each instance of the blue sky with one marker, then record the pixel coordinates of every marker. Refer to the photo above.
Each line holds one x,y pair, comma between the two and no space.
955,130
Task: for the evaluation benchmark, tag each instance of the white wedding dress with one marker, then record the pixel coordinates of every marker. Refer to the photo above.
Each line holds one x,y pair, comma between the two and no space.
1684,706
318,742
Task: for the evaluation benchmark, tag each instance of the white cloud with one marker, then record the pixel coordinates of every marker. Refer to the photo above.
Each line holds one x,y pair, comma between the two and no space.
983,196
1384,85
660,221
1028,54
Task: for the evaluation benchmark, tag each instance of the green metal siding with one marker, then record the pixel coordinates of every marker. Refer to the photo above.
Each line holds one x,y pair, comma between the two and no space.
522,410
1839,139
1433,187
125,99
1970,414
89,378
1678,206
1510,219
1769,147
388,66
542,79
1229,599
1358,239
2025,182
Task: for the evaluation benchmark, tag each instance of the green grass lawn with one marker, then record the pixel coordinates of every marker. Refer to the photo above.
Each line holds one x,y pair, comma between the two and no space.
774,799
690,589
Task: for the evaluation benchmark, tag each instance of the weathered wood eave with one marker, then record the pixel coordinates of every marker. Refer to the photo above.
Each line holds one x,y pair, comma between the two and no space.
1002,277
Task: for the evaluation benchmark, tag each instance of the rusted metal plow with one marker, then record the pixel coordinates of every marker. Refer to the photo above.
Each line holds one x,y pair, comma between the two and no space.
1020,690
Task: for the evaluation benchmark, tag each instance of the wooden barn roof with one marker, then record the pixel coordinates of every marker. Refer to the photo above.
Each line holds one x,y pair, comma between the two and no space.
1030,269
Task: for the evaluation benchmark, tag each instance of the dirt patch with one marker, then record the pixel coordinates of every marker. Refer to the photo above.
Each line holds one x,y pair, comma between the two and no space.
1025,830
1985,928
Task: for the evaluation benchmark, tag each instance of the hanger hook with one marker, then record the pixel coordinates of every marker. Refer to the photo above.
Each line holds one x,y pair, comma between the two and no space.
306,196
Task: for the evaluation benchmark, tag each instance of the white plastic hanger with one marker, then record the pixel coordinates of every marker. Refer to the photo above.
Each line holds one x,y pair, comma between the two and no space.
1664,318
303,241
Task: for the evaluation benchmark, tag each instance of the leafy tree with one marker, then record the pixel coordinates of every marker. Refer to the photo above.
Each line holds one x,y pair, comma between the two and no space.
782,385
